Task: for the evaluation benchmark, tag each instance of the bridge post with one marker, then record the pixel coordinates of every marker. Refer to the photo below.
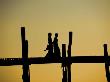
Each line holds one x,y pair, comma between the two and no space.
64,62
26,71
106,62
69,57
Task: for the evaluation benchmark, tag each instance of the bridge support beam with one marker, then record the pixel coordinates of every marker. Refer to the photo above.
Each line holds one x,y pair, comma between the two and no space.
107,63
26,71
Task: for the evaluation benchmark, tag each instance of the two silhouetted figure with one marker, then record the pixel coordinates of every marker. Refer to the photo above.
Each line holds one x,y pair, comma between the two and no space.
52,47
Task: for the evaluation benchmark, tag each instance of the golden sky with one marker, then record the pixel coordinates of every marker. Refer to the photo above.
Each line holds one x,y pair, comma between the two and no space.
89,20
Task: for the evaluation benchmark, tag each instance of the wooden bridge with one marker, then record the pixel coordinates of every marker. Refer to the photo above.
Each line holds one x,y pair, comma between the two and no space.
65,60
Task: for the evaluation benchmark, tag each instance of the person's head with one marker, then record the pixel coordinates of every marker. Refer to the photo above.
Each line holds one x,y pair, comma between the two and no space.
56,34
49,34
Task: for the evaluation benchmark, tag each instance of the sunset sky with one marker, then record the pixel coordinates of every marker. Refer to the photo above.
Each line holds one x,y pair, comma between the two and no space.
89,20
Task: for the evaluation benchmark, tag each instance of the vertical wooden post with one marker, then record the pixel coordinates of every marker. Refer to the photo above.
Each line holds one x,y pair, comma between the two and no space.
64,55
25,76
69,57
64,79
106,63
23,41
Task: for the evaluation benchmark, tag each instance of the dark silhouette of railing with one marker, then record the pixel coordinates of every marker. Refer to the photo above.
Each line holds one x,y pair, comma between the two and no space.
54,57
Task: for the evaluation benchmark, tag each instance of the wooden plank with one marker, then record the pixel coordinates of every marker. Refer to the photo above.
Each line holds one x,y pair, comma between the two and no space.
43,60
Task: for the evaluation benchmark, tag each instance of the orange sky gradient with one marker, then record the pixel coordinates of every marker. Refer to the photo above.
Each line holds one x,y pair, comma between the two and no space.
89,20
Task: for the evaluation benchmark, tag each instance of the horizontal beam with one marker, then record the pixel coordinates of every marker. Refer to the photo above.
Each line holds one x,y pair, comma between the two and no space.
43,60
89,59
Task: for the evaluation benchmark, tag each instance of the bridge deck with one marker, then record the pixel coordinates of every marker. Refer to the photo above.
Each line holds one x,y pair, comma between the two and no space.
43,60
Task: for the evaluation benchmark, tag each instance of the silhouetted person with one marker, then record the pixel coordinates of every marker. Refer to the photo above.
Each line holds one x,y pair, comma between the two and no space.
49,46
55,45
